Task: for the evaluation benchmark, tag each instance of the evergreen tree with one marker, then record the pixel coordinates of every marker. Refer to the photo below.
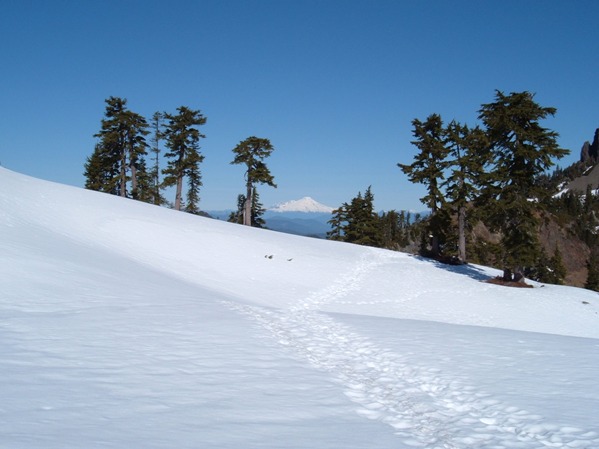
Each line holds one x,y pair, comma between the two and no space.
237,215
558,268
428,169
592,282
155,185
522,150
252,152
101,172
182,137
338,222
118,156
357,222
466,149
257,211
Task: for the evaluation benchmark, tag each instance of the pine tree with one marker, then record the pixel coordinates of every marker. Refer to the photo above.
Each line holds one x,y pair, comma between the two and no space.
357,222
466,149
155,185
428,169
237,215
558,268
182,137
251,152
338,222
592,282
118,156
522,150
257,211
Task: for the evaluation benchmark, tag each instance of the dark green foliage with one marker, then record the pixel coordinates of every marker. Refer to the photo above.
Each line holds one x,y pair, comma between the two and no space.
548,269
251,152
338,222
363,225
469,156
118,157
182,137
154,190
592,282
428,168
257,211
522,150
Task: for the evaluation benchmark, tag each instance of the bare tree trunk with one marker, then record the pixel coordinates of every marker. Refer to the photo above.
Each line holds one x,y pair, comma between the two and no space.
247,209
179,192
123,176
462,234
133,181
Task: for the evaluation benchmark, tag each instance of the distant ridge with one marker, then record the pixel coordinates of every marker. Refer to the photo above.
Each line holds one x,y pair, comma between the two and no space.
305,204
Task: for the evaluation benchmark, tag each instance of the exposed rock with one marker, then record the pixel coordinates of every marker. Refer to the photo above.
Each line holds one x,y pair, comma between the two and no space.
585,153
589,153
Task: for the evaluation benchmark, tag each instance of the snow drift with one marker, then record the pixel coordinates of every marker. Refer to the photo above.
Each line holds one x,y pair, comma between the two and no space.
128,325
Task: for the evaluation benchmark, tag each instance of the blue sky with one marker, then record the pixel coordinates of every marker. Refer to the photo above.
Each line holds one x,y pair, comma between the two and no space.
333,84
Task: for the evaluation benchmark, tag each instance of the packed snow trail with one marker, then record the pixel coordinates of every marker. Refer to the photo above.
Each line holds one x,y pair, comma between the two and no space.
425,407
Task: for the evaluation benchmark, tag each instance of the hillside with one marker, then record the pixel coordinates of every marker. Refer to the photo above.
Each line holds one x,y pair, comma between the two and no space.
129,325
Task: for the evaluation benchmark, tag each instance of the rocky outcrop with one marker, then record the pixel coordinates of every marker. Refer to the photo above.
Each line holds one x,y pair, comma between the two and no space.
589,154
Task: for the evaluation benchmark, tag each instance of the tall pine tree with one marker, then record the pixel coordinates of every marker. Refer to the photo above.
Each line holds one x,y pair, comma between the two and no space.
522,150
428,169
251,152
118,157
468,157
182,137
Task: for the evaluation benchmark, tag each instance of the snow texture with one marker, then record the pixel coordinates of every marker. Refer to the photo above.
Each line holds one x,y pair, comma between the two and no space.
127,325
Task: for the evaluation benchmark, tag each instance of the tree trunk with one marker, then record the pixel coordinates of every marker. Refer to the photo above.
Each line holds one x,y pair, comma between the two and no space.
123,178
134,181
462,234
179,192
247,209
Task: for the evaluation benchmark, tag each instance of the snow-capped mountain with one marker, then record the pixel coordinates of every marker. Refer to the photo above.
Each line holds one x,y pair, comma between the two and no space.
127,325
305,204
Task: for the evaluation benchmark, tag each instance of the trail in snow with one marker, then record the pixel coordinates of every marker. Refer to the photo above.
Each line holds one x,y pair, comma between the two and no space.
425,407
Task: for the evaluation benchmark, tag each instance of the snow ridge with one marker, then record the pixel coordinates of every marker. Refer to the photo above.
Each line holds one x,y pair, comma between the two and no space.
305,204
425,407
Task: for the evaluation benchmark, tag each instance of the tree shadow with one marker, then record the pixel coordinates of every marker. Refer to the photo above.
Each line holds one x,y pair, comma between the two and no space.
466,269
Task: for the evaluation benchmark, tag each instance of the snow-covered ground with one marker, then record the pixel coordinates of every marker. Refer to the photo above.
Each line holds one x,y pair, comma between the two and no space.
124,325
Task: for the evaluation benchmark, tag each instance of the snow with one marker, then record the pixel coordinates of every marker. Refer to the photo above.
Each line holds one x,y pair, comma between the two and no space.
305,204
127,325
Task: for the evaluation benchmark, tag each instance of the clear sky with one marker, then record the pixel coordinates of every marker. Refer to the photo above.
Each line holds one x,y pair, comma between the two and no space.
334,84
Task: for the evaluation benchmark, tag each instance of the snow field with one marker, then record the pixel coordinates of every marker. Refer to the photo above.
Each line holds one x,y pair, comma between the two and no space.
126,325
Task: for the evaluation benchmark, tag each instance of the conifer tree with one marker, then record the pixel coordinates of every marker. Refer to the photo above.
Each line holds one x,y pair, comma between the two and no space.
257,211
119,155
357,222
182,137
251,152
428,169
237,215
466,148
522,150
155,185
592,282
338,222
558,268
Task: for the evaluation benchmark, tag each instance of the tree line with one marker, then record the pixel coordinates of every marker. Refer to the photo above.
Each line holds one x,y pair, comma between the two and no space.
124,163
488,173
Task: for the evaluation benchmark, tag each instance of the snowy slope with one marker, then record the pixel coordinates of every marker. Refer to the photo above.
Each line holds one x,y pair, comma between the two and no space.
126,325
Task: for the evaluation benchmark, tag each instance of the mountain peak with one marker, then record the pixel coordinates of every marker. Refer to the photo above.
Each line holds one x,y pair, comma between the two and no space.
306,204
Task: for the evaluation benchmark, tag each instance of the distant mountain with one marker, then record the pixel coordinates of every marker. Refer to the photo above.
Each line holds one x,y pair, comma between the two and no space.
306,204
305,216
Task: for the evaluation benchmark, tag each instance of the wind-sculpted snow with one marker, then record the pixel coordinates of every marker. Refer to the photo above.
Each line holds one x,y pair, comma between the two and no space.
125,325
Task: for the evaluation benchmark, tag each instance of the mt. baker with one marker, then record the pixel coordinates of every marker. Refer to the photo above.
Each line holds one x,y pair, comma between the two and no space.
306,205
305,216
